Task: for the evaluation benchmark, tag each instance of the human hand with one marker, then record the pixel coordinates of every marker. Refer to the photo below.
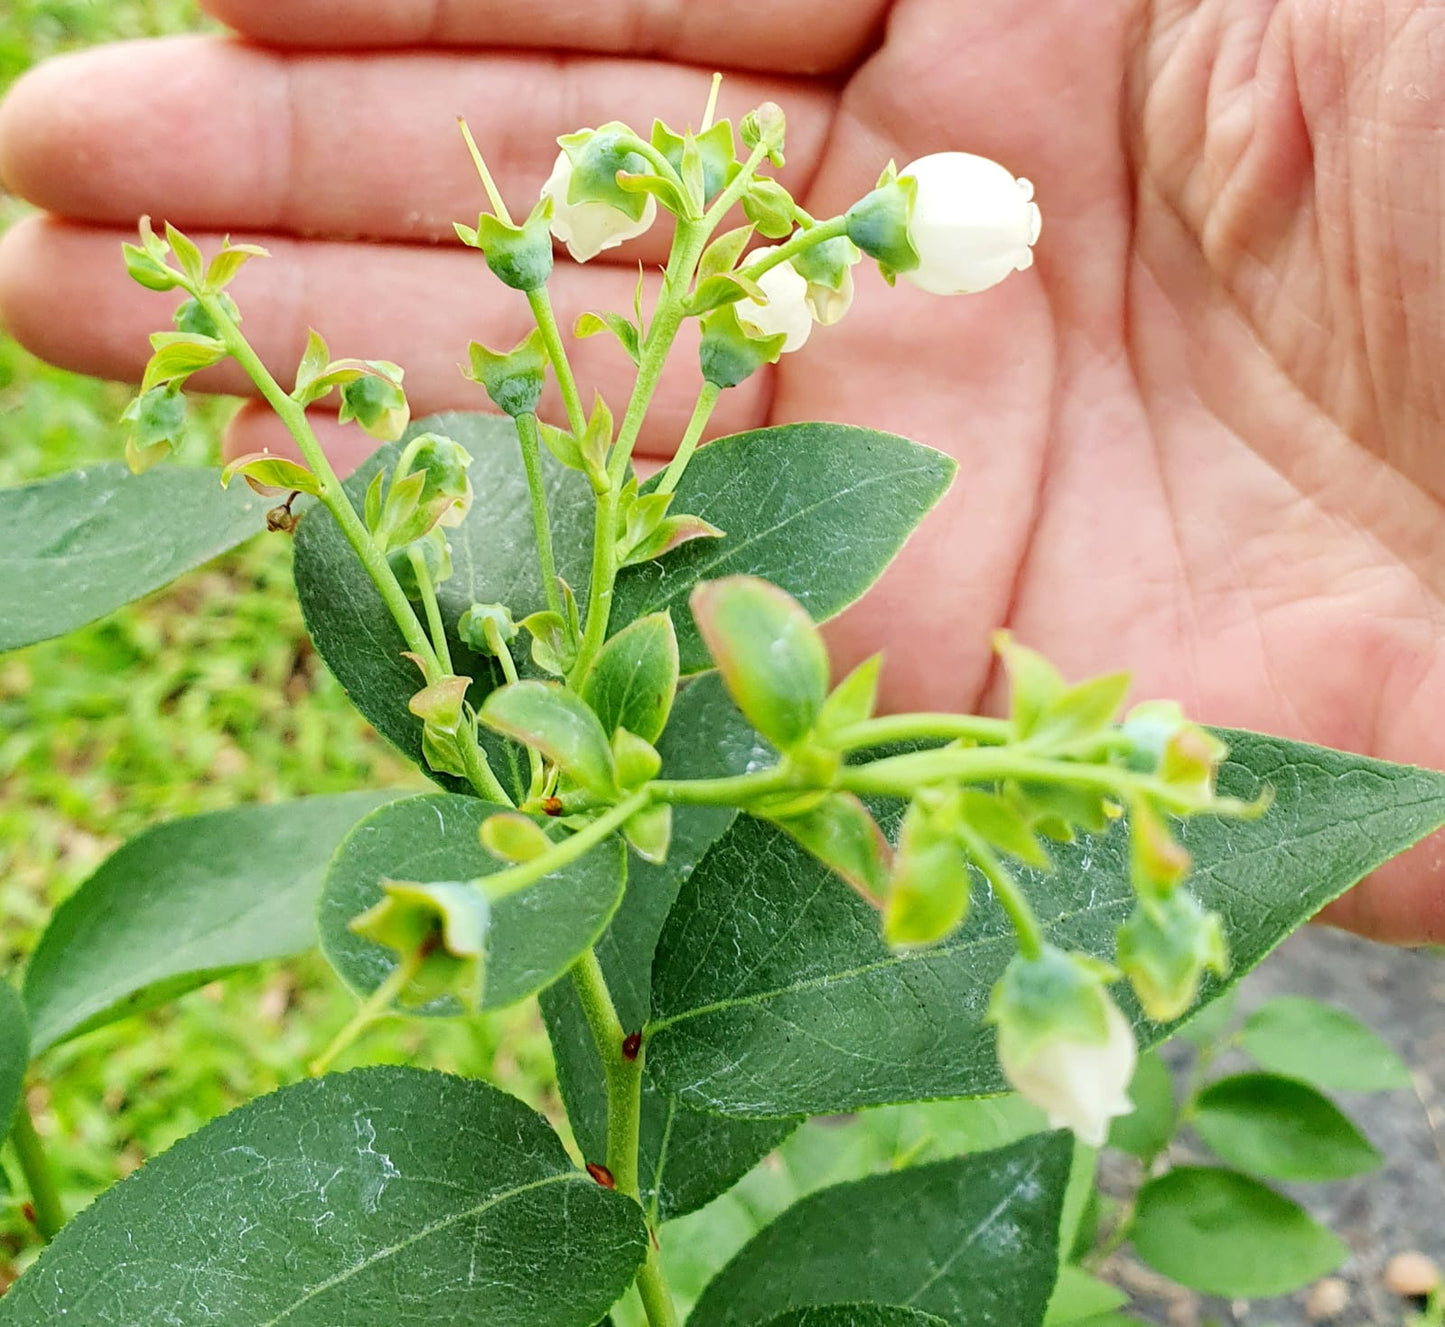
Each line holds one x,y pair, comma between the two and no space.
1196,440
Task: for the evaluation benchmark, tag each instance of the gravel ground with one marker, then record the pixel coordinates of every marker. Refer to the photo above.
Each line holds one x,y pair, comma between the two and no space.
1401,994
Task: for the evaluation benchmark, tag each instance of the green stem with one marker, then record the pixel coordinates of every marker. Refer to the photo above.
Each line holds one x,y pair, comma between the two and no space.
541,303
39,1178
599,590
332,495
923,727
623,1078
373,1007
1006,889
706,401
796,243
736,790
541,524
503,651
480,773
517,878
433,609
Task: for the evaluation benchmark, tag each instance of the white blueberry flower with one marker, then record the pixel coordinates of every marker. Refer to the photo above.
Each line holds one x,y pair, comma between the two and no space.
788,311
1079,1083
587,228
972,223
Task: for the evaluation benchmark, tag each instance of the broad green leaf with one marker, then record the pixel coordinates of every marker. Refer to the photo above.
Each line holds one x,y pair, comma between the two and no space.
1281,1129
534,935
181,903
387,1197
561,725
1079,1297
1317,1043
685,1158
14,1053
818,509
972,1241
769,653
75,547
857,1315
773,993
1226,1234
494,553
829,1151
634,680
1145,1132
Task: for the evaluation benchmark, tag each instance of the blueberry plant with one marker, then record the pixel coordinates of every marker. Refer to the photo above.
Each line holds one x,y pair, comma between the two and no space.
742,896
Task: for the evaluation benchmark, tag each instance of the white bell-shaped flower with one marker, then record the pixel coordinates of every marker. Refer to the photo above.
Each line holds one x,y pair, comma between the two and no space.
788,311
1080,1084
972,223
828,305
587,228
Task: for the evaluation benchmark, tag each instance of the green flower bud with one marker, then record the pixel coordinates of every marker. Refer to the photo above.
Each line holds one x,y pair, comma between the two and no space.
766,126
728,354
828,270
375,400
446,493
1062,1041
483,624
928,891
1166,947
878,224
513,379
519,256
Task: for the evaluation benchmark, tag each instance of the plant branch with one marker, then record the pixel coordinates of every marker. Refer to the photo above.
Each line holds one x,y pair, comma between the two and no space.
923,727
541,524
517,878
707,399
332,495
39,1178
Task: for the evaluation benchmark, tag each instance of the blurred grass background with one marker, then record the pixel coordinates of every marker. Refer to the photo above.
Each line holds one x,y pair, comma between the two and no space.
203,696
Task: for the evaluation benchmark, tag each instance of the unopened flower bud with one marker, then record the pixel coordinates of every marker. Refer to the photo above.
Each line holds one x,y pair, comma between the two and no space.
729,353
1062,1041
766,126
436,556
787,312
971,224
484,625
590,211
1166,947
514,379
828,270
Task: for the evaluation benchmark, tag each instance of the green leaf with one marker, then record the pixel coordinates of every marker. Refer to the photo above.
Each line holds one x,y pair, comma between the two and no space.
1146,1131
1281,1129
180,904
561,725
857,1315
1317,1043
494,553
1079,1297
841,834
768,652
685,1158
14,1053
973,1241
534,936
773,993
1225,1234
818,509
178,355
388,1197
272,472
75,547
634,679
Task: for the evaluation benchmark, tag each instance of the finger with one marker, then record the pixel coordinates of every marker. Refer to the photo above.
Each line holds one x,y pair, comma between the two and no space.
1403,903
215,134
813,36
65,296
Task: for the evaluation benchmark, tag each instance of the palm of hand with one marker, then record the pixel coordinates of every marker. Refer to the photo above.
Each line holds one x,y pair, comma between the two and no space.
1194,442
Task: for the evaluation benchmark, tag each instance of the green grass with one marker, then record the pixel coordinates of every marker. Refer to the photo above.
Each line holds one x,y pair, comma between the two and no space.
203,696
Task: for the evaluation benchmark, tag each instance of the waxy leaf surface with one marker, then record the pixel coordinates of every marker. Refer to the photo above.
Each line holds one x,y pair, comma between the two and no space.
685,1159
534,935
494,554
973,1241
856,1315
819,509
773,993
387,1197
76,547
181,903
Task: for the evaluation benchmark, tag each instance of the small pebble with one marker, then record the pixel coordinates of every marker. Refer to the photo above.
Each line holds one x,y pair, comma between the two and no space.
1327,1299
1411,1274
